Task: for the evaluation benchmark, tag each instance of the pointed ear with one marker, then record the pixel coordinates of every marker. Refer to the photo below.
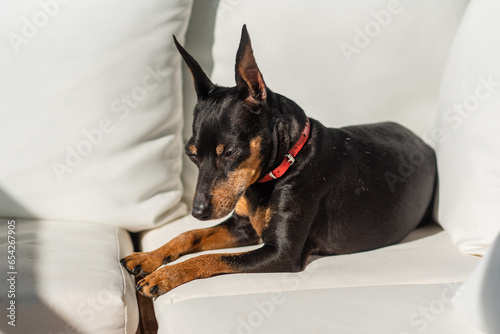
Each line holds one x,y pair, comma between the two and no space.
202,83
249,80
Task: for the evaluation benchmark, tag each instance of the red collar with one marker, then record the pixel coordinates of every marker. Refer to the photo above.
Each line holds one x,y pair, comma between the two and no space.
289,157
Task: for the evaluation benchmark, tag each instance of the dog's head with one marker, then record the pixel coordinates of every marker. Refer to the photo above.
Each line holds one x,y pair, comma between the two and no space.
230,133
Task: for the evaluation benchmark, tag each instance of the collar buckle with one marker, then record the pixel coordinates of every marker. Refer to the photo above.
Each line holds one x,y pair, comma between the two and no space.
290,158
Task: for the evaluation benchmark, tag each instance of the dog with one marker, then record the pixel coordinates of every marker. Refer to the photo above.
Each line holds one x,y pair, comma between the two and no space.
299,187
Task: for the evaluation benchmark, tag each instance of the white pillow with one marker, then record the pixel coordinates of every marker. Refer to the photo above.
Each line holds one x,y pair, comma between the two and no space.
479,297
91,110
344,62
466,133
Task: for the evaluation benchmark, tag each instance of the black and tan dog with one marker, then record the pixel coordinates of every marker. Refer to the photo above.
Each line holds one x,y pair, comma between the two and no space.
296,185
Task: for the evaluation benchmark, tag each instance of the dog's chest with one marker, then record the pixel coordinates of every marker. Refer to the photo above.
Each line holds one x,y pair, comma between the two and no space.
259,217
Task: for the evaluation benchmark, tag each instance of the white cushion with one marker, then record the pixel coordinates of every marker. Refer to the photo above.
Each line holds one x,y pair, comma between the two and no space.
392,73
424,260
466,132
398,309
69,279
91,110
479,297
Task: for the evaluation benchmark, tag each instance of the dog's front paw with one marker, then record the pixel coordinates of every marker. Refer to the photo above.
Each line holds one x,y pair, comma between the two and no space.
142,264
159,282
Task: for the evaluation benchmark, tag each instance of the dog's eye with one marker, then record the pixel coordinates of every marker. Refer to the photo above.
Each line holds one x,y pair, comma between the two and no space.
192,156
230,154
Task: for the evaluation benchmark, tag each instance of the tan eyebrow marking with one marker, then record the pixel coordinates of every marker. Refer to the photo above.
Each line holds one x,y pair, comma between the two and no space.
219,149
193,150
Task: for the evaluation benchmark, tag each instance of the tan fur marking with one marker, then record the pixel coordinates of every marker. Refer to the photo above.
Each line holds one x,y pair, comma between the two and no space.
260,219
218,237
242,207
206,266
188,242
169,277
148,261
226,194
198,240
219,149
193,150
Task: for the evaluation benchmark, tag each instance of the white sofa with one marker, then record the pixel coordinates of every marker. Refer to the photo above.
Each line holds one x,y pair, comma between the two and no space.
95,111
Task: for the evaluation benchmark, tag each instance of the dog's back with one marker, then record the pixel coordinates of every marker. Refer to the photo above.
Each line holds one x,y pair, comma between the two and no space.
381,179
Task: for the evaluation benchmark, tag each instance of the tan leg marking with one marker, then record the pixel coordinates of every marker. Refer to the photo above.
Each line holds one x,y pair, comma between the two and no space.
171,276
192,241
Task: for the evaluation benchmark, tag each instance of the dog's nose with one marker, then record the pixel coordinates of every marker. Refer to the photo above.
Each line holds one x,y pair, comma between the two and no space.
201,211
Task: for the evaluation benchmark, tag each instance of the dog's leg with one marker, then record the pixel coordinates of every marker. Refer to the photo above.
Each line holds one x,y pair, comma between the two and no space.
278,254
234,232
264,259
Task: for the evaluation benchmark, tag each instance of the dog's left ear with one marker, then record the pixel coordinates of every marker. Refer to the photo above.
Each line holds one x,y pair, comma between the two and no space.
249,80
202,83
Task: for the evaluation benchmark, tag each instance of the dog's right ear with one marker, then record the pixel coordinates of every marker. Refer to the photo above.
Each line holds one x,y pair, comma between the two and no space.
249,80
202,83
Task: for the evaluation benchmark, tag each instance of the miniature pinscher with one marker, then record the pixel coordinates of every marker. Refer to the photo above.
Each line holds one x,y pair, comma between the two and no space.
299,187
